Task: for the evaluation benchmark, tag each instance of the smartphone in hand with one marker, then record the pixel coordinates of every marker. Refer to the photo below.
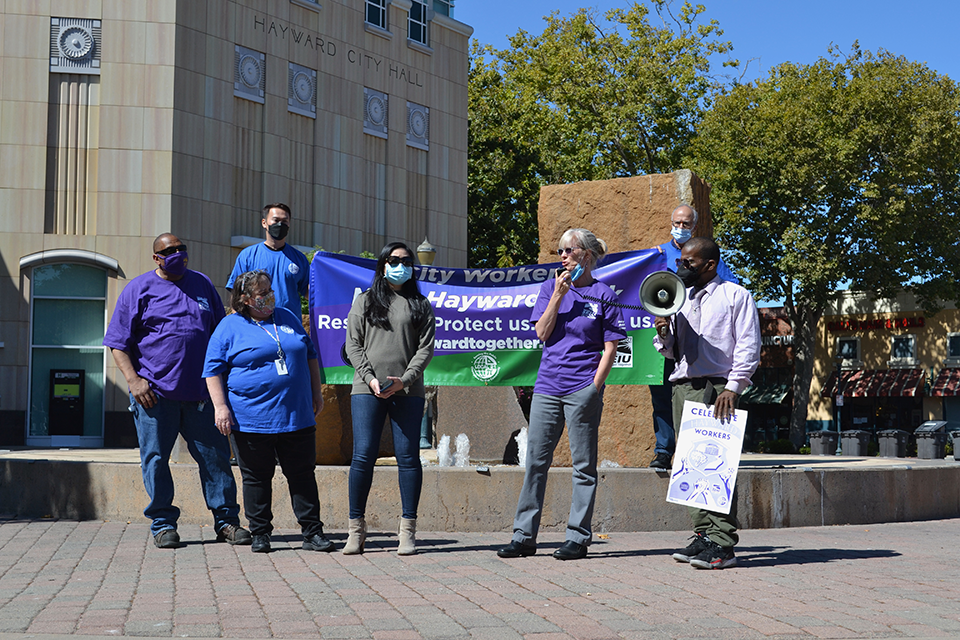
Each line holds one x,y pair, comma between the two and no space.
385,384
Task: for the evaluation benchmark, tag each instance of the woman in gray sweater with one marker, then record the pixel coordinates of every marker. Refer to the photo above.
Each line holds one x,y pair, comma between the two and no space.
390,333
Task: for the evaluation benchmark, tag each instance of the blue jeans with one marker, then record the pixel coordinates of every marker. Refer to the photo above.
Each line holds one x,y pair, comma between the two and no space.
369,414
157,430
661,397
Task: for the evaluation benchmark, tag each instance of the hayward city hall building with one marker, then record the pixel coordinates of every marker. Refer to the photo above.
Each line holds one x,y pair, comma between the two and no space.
124,119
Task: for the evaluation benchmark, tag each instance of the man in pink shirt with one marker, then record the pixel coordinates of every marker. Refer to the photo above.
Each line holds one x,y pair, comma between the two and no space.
715,341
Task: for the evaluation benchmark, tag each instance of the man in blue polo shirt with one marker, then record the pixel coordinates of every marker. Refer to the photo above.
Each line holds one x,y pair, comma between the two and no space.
683,224
288,269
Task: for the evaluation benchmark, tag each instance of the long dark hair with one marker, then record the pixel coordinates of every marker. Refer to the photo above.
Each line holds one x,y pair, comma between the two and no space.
381,295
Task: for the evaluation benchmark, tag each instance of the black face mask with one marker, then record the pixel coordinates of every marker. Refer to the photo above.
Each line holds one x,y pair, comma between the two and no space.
689,277
278,231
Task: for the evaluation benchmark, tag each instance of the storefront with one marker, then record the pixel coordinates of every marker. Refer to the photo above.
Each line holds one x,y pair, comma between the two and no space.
769,400
884,364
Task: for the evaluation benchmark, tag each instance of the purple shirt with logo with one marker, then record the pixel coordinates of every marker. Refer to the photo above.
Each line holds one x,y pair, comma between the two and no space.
164,327
572,353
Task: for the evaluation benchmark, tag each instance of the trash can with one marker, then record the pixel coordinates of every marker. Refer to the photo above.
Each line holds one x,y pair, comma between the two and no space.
823,443
931,440
955,439
893,443
853,442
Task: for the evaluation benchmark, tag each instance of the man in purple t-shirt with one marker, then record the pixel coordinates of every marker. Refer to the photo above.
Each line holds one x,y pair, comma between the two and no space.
158,336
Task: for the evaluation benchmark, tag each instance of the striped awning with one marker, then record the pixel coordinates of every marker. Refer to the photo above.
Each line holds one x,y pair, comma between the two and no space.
871,383
765,394
947,384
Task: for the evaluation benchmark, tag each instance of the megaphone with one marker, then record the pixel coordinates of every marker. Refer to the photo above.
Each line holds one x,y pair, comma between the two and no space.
662,293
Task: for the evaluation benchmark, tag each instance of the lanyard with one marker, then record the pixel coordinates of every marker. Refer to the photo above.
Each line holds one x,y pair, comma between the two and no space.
276,338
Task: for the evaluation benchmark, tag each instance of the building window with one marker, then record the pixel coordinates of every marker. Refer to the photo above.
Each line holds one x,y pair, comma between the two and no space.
67,355
377,13
848,351
953,348
417,22
443,7
903,351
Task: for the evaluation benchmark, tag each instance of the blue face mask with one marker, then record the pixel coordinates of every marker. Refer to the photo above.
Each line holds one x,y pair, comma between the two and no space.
398,274
680,235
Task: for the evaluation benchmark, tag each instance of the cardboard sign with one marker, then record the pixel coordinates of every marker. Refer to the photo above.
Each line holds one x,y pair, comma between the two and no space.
707,458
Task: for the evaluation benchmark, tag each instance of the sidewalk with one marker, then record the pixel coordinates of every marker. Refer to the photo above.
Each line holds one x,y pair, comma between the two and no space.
107,579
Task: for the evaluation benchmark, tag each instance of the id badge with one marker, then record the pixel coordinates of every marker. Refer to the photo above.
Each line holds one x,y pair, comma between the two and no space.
281,367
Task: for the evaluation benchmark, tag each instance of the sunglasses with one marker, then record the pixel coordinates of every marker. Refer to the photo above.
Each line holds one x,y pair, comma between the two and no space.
406,261
169,251
567,250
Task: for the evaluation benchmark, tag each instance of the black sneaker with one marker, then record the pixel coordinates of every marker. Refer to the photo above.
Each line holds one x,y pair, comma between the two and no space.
234,534
318,542
261,544
698,542
661,461
167,539
714,557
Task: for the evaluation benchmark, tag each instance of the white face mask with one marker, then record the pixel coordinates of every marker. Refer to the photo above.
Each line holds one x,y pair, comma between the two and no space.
680,234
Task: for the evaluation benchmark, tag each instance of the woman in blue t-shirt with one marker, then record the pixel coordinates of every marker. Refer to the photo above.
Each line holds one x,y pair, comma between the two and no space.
264,379
579,332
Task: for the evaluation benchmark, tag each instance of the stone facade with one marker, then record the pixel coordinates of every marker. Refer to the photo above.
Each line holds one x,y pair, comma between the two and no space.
192,116
628,214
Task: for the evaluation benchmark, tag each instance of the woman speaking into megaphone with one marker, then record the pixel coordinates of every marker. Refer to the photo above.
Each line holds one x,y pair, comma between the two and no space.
579,335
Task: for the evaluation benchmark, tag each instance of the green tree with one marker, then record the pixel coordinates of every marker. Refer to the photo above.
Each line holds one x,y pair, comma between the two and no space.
588,99
839,173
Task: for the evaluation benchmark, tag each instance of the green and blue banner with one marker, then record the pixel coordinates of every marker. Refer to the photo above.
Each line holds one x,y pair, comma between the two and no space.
484,335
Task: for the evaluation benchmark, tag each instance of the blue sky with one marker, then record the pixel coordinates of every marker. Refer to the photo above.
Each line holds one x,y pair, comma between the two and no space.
768,32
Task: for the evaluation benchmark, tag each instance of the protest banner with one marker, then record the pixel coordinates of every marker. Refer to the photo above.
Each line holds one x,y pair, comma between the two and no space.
707,458
484,335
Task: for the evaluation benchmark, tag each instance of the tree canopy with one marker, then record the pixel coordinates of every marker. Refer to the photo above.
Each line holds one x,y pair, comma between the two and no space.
845,172
588,99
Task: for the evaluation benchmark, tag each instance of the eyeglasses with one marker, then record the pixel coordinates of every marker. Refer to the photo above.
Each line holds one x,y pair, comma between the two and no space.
568,250
169,251
406,261
685,263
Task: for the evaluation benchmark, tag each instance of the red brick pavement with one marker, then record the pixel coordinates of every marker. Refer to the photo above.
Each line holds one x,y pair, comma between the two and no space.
895,580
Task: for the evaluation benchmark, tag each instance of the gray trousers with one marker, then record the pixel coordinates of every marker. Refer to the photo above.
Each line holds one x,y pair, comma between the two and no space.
581,412
719,527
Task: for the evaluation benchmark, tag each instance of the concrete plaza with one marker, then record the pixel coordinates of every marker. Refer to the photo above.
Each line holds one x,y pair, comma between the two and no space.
95,578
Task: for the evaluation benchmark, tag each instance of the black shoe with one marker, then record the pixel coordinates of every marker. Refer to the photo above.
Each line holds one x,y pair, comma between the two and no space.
167,539
233,534
661,461
260,544
517,550
570,550
698,542
318,542
714,557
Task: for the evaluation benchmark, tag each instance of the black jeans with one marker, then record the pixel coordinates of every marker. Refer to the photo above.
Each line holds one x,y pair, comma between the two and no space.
257,455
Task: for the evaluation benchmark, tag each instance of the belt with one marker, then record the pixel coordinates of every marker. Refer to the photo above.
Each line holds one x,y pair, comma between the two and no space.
700,383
